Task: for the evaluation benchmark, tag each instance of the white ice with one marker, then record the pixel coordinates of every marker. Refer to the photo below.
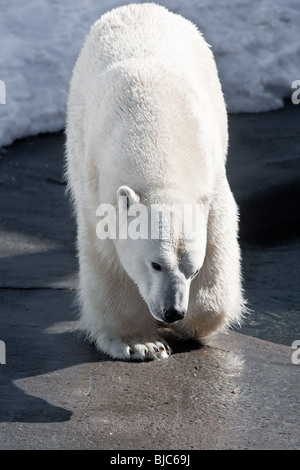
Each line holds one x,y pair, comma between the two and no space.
256,44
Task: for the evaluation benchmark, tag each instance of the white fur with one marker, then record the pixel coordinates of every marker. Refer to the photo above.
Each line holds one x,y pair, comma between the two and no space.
146,118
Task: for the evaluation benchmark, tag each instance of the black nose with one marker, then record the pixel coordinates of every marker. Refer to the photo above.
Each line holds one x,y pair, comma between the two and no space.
171,315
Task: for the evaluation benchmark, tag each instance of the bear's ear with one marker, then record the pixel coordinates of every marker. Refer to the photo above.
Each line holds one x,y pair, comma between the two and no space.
126,197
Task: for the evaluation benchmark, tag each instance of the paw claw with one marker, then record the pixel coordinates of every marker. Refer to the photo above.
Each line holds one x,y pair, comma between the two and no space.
120,348
149,351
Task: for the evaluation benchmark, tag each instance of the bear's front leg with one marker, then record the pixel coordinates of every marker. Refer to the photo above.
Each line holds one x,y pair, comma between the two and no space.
112,313
216,296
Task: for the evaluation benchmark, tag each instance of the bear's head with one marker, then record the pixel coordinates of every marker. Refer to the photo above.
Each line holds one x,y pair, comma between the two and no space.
162,249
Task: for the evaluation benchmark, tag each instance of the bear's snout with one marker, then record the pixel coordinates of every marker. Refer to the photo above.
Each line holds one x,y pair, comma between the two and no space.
172,314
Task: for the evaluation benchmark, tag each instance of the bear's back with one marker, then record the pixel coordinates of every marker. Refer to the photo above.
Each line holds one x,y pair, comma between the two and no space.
141,30
144,89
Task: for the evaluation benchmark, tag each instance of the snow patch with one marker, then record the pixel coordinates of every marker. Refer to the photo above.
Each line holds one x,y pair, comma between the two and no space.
256,46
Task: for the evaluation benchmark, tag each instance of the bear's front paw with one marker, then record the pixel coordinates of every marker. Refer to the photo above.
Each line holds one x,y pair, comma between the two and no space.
134,349
150,350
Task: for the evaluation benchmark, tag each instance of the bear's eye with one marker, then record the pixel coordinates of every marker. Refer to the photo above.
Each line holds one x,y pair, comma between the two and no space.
156,266
195,273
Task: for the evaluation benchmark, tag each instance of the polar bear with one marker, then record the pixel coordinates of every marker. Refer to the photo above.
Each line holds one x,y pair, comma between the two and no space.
147,125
